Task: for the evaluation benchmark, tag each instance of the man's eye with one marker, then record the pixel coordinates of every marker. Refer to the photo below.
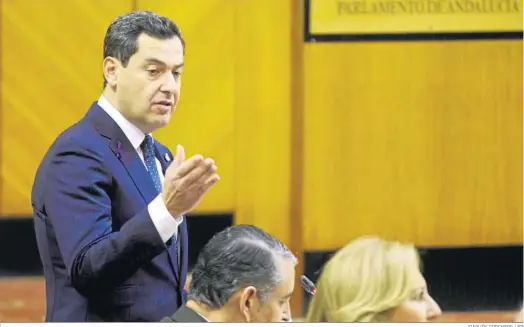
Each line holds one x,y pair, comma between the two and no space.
152,72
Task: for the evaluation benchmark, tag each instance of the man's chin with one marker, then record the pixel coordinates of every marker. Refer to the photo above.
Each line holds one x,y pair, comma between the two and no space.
155,123
162,120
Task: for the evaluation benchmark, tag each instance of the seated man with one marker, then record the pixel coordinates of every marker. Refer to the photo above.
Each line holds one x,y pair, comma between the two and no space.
242,274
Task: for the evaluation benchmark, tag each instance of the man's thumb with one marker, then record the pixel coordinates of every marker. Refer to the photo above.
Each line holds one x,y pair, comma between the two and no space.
180,155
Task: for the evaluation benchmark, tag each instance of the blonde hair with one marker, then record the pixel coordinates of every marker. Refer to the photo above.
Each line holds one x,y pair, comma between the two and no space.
363,281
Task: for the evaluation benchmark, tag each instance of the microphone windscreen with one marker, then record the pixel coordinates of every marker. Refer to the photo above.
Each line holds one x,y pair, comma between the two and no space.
307,284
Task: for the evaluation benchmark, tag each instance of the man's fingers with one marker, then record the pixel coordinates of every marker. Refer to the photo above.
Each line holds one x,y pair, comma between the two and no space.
205,176
187,166
180,155
204,168
210,182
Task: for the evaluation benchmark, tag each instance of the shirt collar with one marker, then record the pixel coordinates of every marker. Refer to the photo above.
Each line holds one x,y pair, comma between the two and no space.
202,317
133,133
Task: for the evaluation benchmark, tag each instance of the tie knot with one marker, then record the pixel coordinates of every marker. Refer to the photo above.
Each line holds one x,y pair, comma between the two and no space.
147,146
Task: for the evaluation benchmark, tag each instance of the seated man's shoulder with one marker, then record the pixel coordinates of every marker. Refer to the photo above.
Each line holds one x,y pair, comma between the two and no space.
167,319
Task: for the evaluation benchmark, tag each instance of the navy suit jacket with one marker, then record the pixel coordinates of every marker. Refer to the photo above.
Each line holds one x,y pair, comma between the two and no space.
102,256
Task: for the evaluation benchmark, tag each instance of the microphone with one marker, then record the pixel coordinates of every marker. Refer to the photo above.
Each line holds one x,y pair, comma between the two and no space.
308,285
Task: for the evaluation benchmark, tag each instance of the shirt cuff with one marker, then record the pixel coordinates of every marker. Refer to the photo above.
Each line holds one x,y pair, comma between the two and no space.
164,223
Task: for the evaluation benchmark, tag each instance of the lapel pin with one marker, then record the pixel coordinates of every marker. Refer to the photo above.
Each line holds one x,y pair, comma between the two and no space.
118,149
166,156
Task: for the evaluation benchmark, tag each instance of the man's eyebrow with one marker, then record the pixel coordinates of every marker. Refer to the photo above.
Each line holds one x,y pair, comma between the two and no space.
155,60
160,62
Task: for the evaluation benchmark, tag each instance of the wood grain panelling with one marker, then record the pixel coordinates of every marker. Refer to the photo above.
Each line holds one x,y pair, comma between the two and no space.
204,121
262,114
51,59
417,141
51,54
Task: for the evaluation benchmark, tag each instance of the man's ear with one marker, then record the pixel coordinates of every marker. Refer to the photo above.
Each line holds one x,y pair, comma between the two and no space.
248,303
111,67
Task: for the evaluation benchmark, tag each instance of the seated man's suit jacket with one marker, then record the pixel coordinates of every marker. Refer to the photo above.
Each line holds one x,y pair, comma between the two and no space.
185,314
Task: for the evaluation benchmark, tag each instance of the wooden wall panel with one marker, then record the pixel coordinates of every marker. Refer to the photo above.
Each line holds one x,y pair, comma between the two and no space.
418,141
204,120
262,114
39,79
51,55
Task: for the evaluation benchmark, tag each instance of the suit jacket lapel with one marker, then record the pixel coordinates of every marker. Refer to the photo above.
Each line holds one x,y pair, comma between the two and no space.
183,235
124,151
164,157
135,168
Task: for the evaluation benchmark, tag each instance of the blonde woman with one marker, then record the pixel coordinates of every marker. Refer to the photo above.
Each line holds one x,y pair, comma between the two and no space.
373,280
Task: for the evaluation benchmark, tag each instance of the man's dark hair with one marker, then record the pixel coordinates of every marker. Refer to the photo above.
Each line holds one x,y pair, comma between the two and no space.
122,35
237,257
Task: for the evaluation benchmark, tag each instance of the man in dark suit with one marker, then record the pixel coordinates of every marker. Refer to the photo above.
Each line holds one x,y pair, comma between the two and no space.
109,200
243,274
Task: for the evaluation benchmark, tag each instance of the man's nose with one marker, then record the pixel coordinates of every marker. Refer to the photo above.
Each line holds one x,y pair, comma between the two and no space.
286,316
170,84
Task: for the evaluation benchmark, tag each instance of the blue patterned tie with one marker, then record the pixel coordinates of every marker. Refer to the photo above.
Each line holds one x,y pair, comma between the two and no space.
149,157
148,149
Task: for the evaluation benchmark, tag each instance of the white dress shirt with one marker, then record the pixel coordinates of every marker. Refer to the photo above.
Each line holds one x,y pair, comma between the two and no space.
207,320
165,224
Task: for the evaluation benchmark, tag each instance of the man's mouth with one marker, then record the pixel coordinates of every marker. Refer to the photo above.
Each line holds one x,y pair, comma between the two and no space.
165,105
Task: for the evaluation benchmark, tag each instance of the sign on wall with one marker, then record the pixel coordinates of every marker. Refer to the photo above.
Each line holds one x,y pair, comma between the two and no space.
332,20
